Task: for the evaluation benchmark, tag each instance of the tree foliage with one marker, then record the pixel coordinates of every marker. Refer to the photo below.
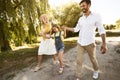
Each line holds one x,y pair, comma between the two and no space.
19,21
68,15
118,24
109,27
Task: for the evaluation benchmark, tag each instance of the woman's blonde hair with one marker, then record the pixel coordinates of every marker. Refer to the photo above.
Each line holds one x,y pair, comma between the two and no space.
44,15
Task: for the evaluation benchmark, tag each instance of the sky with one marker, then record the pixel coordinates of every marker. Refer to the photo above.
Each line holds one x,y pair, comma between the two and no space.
108,9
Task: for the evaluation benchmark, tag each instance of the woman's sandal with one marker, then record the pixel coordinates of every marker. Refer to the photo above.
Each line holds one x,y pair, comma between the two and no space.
37,68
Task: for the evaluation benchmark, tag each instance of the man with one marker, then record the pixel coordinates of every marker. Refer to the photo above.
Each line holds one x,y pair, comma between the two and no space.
86,27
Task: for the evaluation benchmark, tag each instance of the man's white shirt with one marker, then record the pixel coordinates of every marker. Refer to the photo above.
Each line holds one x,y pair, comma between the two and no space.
86,27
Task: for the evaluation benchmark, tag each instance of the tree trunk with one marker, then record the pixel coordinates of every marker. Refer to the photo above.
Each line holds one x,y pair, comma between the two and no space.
4,44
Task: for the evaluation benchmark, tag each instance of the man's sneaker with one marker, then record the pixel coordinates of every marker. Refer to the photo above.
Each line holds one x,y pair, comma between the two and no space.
77,79
95,74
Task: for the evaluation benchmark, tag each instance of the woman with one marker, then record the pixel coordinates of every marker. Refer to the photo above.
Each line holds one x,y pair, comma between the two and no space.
47,46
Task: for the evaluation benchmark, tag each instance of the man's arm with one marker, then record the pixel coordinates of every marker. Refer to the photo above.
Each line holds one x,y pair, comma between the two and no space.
104,46
68,29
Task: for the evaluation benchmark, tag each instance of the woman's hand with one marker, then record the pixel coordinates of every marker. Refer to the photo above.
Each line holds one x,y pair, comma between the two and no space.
40,34
48,36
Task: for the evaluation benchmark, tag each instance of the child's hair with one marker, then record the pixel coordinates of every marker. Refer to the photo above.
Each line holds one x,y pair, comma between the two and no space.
57,26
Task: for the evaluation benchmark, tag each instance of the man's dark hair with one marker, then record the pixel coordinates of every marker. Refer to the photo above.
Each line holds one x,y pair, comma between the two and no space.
87,1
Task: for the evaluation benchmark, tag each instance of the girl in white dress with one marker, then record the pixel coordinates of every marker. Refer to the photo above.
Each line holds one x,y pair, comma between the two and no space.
47,45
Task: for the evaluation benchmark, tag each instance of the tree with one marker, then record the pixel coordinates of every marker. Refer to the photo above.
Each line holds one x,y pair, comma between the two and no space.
19,20
118,24
68,15
110,27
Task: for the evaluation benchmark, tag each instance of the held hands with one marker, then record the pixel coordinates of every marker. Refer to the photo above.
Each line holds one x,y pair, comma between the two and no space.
63,28
103,48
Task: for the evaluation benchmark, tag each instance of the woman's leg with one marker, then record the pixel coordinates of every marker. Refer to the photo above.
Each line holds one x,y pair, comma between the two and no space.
54,57
39,60
38,64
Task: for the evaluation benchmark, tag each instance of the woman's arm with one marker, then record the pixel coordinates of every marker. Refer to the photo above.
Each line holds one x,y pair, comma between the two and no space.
41,34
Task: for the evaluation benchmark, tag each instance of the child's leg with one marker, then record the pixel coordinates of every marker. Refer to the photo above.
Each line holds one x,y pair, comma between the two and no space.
55,61
60,55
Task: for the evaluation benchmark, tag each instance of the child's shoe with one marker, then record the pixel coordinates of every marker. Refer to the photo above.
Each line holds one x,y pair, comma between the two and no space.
55,62
60,70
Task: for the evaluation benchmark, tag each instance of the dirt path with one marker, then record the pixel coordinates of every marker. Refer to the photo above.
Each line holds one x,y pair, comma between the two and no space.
109,66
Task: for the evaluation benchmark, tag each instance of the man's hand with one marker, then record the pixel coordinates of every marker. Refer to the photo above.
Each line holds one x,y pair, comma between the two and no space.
103,48
63,28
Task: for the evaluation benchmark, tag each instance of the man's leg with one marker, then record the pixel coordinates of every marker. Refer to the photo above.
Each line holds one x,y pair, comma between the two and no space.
80,54
91,49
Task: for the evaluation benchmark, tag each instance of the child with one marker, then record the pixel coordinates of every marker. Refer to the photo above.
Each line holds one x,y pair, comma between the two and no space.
59,35
47,46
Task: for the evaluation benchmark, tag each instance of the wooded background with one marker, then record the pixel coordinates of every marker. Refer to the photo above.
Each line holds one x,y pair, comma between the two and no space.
19,20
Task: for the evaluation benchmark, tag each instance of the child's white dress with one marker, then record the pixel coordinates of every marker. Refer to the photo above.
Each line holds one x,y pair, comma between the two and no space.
47,46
